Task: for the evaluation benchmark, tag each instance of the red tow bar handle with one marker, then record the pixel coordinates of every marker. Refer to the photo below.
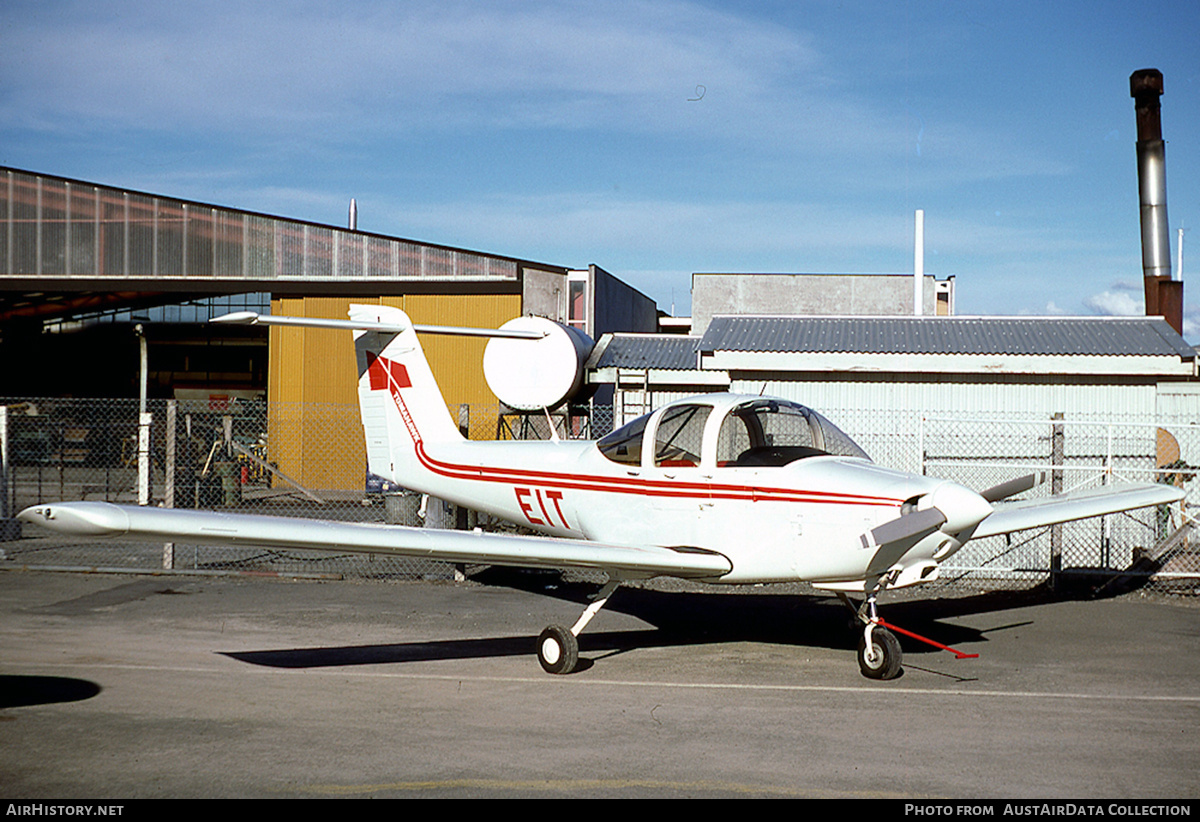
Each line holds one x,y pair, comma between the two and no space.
927,641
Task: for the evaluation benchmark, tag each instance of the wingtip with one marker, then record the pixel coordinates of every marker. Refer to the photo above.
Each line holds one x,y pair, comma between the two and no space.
83,519
237,318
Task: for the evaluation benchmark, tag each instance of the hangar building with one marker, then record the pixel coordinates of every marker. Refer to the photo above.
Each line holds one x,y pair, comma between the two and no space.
75,255
83,265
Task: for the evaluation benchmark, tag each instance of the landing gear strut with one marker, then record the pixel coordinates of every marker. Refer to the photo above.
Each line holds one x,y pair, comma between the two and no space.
558,647
879,654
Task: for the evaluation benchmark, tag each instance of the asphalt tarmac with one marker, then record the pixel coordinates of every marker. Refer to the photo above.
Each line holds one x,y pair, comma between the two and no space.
124,687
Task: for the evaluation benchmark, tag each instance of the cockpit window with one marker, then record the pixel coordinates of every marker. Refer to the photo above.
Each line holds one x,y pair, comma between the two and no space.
678,436
760,432
837,441
625,444
776,432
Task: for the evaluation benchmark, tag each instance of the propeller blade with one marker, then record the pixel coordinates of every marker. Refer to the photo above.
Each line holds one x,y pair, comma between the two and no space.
904,527
1014,486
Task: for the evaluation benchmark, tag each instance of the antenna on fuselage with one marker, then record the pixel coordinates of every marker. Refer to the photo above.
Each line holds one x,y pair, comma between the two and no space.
550,422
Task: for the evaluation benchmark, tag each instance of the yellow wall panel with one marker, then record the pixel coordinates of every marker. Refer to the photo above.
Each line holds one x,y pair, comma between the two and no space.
457,362
314,431
312,372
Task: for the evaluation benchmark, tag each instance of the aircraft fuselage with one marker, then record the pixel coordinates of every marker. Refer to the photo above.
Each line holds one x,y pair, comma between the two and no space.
801,520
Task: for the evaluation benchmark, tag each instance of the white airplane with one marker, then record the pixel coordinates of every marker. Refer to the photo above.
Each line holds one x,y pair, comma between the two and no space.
721,488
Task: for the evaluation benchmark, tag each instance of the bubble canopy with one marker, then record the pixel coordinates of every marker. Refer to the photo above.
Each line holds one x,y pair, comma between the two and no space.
726,431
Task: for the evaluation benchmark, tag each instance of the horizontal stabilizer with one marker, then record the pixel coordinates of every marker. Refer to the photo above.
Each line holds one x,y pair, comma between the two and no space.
1020,515
131,522
253,318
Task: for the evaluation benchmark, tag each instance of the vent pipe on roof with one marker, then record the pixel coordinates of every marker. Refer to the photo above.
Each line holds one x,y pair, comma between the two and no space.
353,214
1179,258
1164,297
919,263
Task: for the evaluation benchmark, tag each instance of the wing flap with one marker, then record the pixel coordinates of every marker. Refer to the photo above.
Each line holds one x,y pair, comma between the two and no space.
1020,515
105,520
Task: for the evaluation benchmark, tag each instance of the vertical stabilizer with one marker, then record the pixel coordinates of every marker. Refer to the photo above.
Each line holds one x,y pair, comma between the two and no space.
403,411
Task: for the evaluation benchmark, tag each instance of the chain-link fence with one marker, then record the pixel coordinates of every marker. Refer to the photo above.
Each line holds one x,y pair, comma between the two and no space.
283,460
307,460
1066,455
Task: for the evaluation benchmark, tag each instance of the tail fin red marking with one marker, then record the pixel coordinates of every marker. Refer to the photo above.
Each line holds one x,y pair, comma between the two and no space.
379,370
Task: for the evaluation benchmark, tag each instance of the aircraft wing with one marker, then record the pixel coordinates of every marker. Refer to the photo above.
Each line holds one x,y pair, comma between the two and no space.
144,524
1018,515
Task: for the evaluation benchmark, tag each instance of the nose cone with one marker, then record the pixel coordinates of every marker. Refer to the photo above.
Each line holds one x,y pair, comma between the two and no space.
81,519
962,507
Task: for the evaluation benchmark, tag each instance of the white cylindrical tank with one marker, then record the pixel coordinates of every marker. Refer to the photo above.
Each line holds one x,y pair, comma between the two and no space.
529,375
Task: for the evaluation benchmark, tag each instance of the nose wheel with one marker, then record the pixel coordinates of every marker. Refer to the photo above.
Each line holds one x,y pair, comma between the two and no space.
879,654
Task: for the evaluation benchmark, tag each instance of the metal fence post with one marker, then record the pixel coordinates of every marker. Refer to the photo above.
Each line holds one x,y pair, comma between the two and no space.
169,471
1105,535
9,527
144,420
461,514
1056,486
4,501
921,419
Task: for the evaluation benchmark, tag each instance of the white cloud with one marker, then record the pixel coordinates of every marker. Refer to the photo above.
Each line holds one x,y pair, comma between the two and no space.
1120,300
802,234
1191,323
230,65
366,73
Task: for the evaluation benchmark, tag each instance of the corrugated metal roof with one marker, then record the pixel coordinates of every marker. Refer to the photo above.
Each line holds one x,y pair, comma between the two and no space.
666,352
1078,336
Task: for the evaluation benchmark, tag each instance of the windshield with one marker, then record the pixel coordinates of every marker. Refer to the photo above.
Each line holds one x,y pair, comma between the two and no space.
837,441
625,444
776,432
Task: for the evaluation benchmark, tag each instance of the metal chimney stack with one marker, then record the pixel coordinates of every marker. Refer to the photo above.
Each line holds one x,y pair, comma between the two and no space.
1164,296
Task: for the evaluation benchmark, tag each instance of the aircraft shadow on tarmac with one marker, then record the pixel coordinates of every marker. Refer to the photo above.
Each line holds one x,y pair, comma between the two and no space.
19,691
680,619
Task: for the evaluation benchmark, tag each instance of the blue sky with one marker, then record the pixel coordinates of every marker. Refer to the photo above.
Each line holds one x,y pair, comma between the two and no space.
655,139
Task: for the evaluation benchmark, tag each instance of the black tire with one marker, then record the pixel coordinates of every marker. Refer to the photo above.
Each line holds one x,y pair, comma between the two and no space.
558,650
888,655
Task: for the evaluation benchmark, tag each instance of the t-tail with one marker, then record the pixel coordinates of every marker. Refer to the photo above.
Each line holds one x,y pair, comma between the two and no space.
403,412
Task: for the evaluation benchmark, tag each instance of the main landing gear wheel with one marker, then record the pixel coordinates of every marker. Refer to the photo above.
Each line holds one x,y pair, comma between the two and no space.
558,650
883,660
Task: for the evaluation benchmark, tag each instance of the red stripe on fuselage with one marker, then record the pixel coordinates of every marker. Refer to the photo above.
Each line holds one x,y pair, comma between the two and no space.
619,485
647,487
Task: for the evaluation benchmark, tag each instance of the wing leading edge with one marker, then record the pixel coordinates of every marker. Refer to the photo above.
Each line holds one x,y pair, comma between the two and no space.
1007,517
143,524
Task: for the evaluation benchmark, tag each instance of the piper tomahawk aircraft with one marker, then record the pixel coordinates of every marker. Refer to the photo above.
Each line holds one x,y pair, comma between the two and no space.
721,488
